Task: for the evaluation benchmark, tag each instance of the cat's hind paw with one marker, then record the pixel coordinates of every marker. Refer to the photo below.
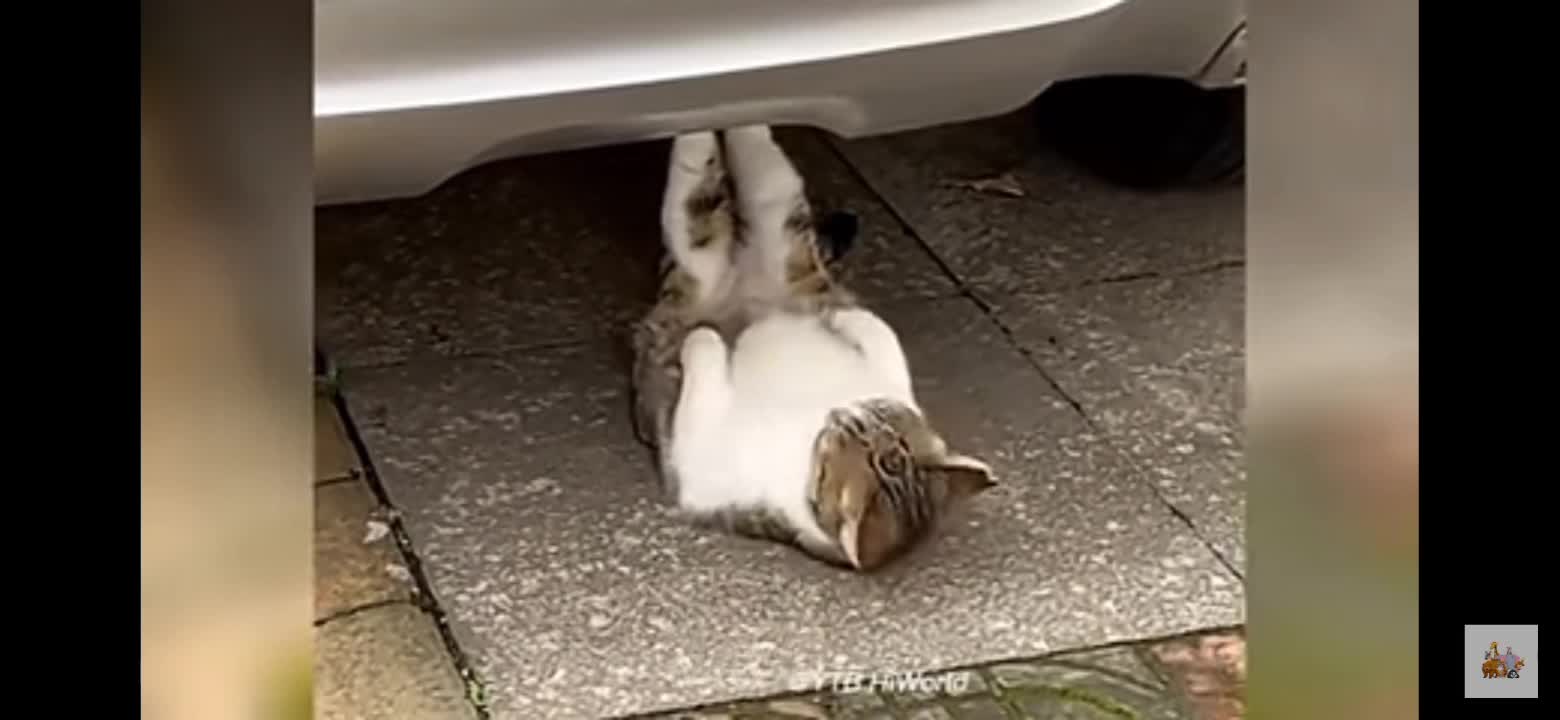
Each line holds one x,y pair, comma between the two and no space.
695,153
703,360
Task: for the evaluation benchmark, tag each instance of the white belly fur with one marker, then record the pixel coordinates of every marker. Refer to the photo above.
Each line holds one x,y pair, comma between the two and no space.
787,373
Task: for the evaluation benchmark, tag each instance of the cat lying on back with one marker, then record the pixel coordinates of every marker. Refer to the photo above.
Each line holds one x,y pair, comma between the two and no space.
779,406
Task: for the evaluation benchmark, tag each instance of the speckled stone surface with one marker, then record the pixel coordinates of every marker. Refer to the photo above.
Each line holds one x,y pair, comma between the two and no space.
350,573
576,596
546,250
386,663
1159,365
1067,229
1134,302
504,256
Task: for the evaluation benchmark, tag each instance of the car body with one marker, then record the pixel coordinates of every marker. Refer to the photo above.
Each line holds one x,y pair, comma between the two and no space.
411,92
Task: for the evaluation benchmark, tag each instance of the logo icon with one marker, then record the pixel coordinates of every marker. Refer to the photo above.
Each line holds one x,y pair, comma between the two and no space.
1502,665
1500,661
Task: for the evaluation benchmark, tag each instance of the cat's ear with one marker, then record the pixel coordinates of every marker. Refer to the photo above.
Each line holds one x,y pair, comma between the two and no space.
965,476
837,233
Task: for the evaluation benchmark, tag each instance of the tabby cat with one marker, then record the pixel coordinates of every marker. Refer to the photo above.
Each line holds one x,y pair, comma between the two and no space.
779,406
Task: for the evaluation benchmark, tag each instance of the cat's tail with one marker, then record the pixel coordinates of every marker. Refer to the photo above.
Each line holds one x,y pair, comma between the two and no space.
698,225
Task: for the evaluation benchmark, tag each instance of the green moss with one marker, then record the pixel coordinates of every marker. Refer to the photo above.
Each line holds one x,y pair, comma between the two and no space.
1010,698
476,694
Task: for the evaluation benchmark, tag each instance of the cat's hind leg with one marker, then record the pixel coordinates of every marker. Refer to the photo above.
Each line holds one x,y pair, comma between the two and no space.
778,230
698,230
697,222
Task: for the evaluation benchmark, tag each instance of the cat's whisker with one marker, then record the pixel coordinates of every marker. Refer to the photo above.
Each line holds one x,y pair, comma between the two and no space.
848,540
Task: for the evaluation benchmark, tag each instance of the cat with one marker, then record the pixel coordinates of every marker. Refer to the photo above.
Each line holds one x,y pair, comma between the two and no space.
779,406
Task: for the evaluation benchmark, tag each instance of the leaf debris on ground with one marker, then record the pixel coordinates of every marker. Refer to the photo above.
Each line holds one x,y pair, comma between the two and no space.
376,531
399,572
1004,184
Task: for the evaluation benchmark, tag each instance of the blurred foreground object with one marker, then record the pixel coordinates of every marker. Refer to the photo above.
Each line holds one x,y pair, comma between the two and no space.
226,437
1211,670
1333,376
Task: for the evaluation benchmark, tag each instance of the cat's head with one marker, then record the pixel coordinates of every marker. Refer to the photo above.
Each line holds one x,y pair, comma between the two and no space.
884,479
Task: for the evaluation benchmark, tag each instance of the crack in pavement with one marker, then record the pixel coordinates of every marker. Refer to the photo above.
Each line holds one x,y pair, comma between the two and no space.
423,599
988,309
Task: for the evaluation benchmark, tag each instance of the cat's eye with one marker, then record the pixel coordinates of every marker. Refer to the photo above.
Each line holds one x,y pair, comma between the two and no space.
889,462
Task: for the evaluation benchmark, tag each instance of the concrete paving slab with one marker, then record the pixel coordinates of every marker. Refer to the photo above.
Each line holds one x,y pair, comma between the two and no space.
513,254
350,560
545,250
979,708
575,595
1200,676
1068,228
386,663
1159,365
334,457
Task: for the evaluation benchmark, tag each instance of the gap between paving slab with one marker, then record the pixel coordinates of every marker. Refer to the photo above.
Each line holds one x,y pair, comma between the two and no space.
1184,366
380,650
1199,676
386,662
1158,367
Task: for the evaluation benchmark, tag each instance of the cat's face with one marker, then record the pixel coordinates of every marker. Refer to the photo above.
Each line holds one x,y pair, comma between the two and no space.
884,479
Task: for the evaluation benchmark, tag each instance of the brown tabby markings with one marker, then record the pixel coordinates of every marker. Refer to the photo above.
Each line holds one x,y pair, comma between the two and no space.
914,478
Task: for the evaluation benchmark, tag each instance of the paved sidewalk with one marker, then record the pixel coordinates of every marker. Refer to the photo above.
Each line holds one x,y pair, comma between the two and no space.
1200,677
382,655
378,652
1084,339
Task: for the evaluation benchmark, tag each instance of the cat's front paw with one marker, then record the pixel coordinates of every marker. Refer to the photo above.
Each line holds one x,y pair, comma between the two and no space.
703,336
702,347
